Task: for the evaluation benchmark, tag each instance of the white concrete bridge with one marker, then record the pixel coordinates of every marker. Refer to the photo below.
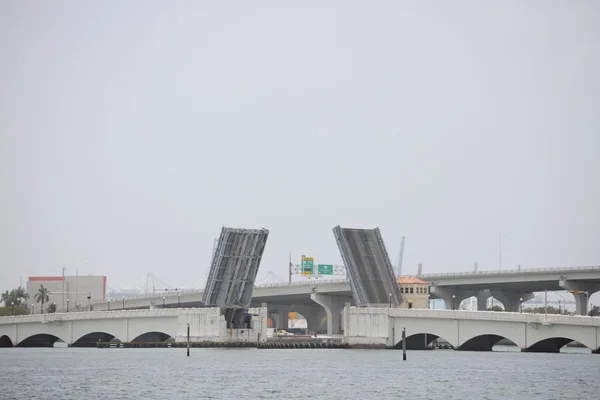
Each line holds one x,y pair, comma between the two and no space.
87,328
468,330
465,330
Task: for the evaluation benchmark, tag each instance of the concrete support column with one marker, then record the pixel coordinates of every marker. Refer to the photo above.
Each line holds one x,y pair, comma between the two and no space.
452,297
582,298
279,317
581,304
511,299
333,306
482,298
313,314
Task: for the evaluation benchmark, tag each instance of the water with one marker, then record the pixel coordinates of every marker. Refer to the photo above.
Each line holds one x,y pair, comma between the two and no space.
71,373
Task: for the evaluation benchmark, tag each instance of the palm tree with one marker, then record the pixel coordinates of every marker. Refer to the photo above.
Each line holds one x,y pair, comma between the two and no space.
42,296
5,297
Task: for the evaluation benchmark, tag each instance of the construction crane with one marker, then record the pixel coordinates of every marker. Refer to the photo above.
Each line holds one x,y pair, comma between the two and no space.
400,257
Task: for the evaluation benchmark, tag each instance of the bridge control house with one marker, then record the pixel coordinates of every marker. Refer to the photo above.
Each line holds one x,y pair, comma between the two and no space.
415,292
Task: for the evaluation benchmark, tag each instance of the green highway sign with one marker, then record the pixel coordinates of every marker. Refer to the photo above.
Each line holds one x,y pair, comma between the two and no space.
325,269
307,265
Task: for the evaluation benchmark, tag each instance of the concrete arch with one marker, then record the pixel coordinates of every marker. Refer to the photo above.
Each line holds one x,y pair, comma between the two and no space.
554,337
40,340
419,341
5,341
91,339
152,337
140,326
484,342
550,345
296,318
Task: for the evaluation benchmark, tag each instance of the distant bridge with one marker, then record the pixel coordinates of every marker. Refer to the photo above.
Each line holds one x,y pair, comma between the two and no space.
508,286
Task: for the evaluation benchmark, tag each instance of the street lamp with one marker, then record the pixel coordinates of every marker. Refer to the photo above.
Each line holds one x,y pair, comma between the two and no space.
89,297
521,303
163,301
67,304
178,300
390,296
108,305
453,297
33,309
123,302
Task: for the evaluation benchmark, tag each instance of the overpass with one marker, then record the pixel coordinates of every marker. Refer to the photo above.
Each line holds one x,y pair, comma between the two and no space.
513,287
316,299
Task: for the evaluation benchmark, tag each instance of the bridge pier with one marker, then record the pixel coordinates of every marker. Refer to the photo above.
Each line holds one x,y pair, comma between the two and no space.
482,298
280,317
313,314
333,305
582,298
511,299
453,298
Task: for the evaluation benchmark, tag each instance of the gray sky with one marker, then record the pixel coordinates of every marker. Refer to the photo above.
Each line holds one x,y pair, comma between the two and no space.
131,132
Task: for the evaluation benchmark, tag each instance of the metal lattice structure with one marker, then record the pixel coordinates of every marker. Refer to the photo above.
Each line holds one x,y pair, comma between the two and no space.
233,272
369,268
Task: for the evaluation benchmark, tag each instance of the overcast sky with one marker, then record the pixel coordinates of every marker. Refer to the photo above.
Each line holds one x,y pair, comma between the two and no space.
131,132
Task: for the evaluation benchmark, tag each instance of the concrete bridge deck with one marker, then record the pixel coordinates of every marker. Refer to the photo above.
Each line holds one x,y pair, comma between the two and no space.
507,286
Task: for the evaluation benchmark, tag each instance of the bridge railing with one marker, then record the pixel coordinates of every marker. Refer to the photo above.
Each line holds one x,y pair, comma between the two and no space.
482,315
513,272
87,315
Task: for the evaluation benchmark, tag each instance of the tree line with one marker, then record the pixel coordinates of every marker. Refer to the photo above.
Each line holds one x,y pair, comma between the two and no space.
15,301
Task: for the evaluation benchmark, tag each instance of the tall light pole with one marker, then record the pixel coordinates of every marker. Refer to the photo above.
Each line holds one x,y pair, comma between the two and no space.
178,300
62,304
453,297
123,302
500,258
67,304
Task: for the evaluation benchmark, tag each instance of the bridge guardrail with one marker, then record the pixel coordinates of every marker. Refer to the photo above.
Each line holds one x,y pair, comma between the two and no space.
481,315
431,277
87,315
512,272
170,294
393,312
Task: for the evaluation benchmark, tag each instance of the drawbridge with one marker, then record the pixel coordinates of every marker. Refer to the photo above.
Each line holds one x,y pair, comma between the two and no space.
233,270
369,268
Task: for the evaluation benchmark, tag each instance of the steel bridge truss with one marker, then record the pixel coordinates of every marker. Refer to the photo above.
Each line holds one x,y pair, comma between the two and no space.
233,272
369,269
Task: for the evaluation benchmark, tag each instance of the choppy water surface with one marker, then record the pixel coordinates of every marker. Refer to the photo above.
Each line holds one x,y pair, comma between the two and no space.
70,373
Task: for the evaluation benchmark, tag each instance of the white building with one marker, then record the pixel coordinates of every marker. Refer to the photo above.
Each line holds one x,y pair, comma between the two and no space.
68,293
